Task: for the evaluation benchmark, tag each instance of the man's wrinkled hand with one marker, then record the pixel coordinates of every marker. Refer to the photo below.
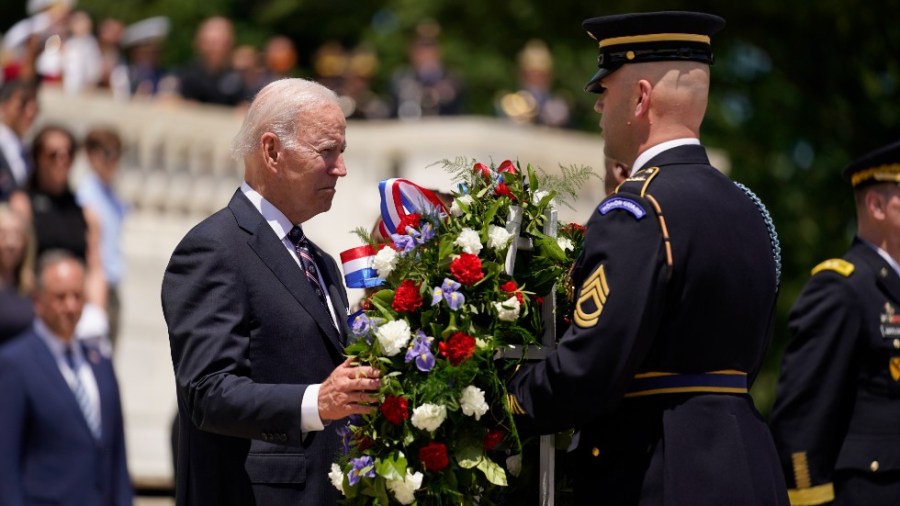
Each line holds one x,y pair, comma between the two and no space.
350,389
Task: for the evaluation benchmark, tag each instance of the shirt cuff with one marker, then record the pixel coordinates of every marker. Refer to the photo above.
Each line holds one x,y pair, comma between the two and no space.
309,410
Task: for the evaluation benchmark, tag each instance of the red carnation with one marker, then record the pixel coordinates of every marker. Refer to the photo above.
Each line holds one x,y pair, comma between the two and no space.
492,439
507,166
410,220
512,287
502,190
571,228
407,297
539,300
482,170
466,268
434,456
458,348
395,409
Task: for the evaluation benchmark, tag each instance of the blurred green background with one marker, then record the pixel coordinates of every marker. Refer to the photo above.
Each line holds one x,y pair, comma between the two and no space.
800,88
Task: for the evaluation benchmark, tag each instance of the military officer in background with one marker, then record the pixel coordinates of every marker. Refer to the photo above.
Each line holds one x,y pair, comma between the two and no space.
675,294
836,419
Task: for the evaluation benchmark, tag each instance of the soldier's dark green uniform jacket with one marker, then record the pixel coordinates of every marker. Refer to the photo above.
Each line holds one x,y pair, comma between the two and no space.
675,293
836,419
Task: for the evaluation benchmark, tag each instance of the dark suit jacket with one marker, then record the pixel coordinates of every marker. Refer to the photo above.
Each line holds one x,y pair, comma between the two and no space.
678,275
7,181
47,452
248,336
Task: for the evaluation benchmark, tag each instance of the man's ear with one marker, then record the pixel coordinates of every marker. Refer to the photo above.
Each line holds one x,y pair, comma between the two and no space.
875,204
642,108
270,147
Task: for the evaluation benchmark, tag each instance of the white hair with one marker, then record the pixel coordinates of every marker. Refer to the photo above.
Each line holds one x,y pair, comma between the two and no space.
278,108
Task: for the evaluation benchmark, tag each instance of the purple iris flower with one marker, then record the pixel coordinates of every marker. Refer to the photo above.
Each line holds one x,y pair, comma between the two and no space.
362,467
404,243
346,435
420,351
362,325
426,234
449,291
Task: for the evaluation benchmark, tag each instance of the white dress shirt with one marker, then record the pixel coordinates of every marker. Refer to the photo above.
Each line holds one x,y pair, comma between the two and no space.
887,258
12,148
645,157
281,225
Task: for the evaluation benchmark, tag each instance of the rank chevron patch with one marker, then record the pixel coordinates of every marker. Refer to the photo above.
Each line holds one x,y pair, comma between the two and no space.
593,296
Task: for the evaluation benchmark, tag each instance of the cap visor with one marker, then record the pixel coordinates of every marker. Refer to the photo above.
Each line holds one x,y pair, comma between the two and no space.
594,86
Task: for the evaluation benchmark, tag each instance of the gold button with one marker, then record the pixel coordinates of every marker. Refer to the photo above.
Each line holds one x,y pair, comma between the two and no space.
629,55
595,452
897,344
874,466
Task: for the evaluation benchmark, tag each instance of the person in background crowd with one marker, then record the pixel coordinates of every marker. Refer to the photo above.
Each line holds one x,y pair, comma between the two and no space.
837,406
257,318
280,58
16,274
18,110
427,87
109,40
535,102
63,439
82,61
60,223
96,194
666,336
210,78
143,76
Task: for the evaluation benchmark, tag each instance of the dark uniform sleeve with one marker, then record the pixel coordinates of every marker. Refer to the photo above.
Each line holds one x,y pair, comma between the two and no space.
816,388
619,287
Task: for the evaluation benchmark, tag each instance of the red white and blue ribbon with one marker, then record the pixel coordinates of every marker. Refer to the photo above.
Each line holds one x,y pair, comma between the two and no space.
358,270
401,197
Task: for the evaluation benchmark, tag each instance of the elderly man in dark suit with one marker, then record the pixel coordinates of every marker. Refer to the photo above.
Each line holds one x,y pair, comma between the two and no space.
62,440
256,315
675,294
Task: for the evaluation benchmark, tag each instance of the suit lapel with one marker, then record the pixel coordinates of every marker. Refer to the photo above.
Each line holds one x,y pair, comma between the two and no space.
275,256
59,387
335,287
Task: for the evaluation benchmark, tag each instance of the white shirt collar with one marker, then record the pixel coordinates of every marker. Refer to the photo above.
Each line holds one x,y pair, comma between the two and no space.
647,155
274,217
887,258
55,343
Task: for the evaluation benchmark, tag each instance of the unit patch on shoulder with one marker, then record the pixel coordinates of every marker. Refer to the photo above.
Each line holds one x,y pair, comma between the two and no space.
623,203
591,299
838,265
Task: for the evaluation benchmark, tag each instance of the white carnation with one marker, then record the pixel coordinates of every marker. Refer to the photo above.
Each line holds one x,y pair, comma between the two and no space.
393,337
469,241
480,343
565,243
404,490
456,209
508,310
472,402
428,417
538,196
337,478
498,237
385,261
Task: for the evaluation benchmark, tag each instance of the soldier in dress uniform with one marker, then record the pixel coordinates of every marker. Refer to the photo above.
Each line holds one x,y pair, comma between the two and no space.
675,293
836,419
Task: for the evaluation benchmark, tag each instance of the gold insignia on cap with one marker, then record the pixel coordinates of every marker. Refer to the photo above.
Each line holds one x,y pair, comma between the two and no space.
655,37
895,368
838,265
594,289
886,172
629,55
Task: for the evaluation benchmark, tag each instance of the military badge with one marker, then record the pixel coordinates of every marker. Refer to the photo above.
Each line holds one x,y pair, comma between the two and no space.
895,368
591,299
624,204
890,322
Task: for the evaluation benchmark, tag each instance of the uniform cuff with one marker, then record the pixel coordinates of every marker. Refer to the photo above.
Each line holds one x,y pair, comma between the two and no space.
811,496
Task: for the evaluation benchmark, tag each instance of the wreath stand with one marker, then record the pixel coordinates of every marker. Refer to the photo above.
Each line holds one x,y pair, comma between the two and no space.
547,470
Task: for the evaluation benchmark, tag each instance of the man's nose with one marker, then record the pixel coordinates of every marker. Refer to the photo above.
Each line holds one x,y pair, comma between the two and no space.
340,168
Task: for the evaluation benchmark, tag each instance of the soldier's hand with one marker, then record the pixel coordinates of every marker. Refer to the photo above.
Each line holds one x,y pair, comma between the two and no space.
350,389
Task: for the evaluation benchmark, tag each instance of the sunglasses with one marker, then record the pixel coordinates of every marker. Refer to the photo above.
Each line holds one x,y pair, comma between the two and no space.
59,154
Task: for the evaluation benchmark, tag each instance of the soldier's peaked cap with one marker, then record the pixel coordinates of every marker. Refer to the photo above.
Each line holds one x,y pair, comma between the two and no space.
879,166
650,36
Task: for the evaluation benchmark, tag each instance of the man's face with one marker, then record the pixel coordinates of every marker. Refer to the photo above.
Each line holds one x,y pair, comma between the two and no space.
307,186
60,298
616,114
20,111
54,162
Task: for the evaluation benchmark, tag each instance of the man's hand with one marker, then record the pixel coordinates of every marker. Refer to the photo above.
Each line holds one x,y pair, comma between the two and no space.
349,390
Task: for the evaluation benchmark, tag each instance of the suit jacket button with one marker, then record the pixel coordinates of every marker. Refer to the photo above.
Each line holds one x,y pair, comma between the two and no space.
874,466
897,344
595,451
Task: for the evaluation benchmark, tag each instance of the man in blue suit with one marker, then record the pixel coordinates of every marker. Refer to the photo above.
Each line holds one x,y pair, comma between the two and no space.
62,440
257,318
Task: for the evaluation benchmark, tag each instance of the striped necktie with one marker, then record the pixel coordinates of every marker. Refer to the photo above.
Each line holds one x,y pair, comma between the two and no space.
90,412
301,246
